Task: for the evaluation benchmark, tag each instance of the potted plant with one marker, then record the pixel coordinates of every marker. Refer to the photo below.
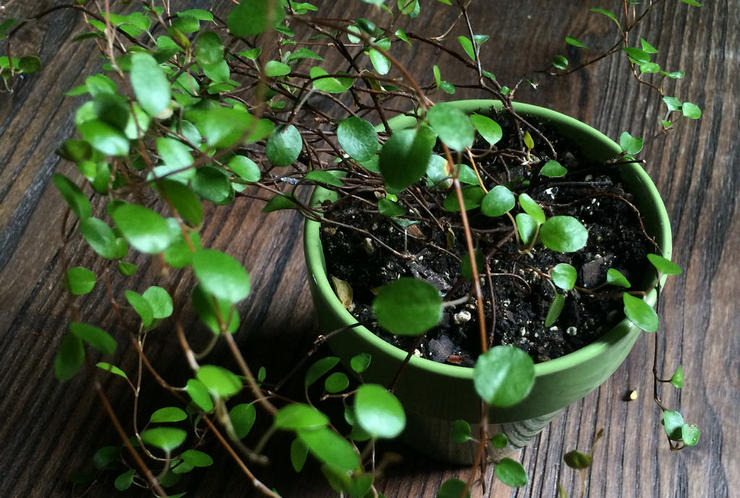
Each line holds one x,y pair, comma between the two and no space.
192,108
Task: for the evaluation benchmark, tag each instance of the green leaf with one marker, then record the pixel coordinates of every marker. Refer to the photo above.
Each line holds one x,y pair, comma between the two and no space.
359,363
330,448
111,369
630,144
245,168
284,146
199,394
104,137
452,488
640,313
174,154
358,138
672,103
511,473
528,141
336,382
319,368
408,306
209,49
677,378
615,277
460,432
553,169
608,14
167,414
673,424
144,229
503,376
280,201
452,125
29,64
219,381
531,207
276,68
663,265
222,126
159,300
676,75
555,309
164,438
221,275
575,42
124,481
184,200
527,228
104,457
637,55
300,416
95,337
252,17
649,68
563,234
102,238
242,417
80,280
466,174
69,358
329,84
212,183
692,2
489,129
465,269
467,46
141,306
150,84
387,207
499,441
381,64
304,53
379,412
690,110
75,150
647,47
577,460
298,454
560,62
564,276
324,177
197,458
405,156
690,434
472,198
498,201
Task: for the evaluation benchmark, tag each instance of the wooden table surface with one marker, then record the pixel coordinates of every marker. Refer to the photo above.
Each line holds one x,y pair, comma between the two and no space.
49,429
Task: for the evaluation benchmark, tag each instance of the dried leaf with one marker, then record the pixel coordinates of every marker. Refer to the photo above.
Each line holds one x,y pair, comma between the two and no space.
344,292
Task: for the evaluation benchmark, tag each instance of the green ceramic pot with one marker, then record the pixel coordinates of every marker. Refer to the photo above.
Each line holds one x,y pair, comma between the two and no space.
434,394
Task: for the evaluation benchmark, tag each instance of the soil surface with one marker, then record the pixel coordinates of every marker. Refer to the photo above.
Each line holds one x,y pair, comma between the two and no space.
433,248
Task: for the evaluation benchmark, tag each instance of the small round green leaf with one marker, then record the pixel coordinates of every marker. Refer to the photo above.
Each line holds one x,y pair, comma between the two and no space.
498,201
219,381
103,365
104,137
531,207
102,239
358,138
690,434
29,64
319,368
379,412
690,110
563,234
168,414
489,129
150,84
360,362
324,177
511,473
615,277
159,300
80,280
663,265
184,200
251,17
387,207
94,336
284,146
124,481
209,49
555,309
527,228
141,306
331,448
466,270
197,458
460,431
69,358
336,382
164,438
405,156
298,454
640,313
577,460
452,488
553,169
245,168
221,275
300,416
242,417
564,276
276,68
630,144
213,184
503,376
199,394
499,441
144,229
452,125
677,378
73,196
673,424
560,62
408,306
472,198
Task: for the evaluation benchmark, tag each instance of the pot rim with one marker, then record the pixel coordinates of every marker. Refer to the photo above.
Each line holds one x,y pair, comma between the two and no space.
315,256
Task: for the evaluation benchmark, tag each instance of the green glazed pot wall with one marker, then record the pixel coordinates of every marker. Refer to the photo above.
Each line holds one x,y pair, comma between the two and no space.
446,391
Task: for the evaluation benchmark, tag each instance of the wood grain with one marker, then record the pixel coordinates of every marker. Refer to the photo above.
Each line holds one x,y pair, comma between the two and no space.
51,429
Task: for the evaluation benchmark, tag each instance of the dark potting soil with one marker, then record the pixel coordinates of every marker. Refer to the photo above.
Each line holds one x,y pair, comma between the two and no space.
432,250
